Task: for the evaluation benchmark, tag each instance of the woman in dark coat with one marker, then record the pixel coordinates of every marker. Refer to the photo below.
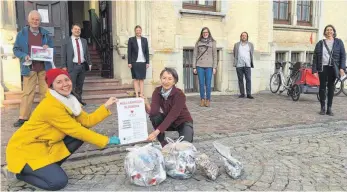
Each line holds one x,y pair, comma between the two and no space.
175,115
138,59
329,63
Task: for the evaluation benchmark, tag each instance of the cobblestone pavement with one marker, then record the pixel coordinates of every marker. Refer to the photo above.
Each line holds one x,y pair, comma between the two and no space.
301,157
227,115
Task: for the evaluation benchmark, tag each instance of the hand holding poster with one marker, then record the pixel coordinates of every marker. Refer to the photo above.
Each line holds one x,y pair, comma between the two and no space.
40,54
132,121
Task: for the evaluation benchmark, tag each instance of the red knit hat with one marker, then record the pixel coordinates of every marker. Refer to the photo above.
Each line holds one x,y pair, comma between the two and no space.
54,73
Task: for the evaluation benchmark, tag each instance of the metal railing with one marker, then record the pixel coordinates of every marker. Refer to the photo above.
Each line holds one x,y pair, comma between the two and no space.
95,28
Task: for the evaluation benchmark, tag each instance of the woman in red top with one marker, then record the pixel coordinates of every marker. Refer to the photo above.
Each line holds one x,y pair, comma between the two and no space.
172,101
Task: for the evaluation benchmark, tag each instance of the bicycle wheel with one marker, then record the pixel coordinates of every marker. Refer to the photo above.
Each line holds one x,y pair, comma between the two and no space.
296,91
275,82
344,86
338,87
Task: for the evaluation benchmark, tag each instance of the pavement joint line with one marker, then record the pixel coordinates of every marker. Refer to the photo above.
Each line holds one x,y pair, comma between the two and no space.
117,150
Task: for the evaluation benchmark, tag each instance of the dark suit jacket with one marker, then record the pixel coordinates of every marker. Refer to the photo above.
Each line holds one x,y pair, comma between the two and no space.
68,53
133,49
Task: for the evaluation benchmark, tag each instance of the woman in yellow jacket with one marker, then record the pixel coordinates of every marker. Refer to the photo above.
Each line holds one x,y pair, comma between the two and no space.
57,128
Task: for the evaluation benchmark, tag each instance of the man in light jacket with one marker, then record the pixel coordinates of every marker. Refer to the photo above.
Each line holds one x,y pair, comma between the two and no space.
243,61
34,35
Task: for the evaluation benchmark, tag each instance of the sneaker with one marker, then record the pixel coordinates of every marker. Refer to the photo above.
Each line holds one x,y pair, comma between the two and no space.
10,177
19,123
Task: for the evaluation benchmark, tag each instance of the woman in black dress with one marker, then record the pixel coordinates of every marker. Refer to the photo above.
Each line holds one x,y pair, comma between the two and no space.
138,59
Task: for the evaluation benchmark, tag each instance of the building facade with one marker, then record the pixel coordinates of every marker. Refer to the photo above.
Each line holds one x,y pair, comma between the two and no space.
279,30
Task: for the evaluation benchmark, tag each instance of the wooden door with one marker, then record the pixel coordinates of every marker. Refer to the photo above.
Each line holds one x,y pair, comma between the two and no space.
106,38
54,18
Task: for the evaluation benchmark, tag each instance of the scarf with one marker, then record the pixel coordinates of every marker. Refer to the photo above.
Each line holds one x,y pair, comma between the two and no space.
165,94
205,40
70,102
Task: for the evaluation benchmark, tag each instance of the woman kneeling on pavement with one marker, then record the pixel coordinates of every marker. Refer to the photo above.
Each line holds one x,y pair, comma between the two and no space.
172,101
56,129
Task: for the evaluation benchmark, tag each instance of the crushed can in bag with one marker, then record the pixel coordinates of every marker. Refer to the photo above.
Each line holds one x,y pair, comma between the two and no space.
233,167
145,165
210,169
179,157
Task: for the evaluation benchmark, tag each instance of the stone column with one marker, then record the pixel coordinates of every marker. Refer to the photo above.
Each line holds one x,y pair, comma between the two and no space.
122,28
94,4
9,65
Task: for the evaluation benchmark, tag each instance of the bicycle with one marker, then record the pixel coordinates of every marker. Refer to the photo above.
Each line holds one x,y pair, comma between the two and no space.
339,86
278,79
344,85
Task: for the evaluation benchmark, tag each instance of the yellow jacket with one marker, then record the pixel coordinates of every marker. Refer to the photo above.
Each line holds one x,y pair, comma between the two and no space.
39,142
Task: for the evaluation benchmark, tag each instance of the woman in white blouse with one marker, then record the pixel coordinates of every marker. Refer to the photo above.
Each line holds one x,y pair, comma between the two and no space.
138,59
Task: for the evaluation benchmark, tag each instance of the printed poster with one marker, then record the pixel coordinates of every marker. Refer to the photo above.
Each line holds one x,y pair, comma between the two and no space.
132,121
40,54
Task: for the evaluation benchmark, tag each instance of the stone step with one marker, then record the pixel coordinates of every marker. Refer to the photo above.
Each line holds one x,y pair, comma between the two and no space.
89,99
101,82
93,73
96,60
94,87
92,90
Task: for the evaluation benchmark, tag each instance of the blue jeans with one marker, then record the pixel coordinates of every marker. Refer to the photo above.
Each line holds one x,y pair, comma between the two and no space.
205,78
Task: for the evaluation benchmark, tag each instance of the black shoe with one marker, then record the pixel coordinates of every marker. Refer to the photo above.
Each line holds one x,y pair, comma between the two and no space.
329,112
83,103
250,97
19,123
322,110
242,96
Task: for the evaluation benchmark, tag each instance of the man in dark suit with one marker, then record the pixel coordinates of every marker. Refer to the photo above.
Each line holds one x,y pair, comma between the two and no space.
76,59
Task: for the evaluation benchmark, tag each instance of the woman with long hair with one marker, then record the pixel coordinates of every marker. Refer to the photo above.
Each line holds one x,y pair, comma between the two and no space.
205,64
329,62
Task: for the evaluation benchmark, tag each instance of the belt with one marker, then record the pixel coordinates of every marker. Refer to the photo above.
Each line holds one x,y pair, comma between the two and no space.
77,63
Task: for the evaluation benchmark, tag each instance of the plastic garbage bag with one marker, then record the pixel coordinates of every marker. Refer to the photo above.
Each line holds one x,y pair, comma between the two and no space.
179,158
210,169
145,165
233,167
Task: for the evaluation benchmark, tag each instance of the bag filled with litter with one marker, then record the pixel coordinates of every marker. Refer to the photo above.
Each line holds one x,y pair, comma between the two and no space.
145,165
179,157
233,167
210,169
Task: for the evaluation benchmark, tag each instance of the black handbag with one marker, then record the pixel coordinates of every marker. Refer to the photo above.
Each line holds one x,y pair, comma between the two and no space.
334,64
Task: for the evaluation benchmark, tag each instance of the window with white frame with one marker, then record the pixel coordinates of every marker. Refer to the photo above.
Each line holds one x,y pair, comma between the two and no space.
280,56
309,57
295,57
